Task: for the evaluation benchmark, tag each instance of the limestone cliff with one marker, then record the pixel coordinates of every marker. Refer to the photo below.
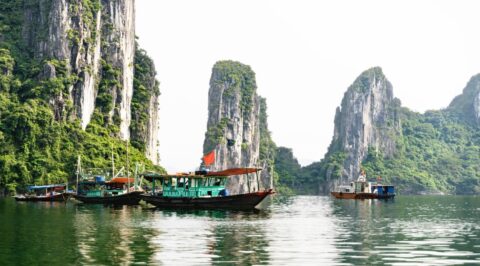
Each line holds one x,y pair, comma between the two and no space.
89,47
367,119
66,31
145,107
467,104
85,35
431,153
235,128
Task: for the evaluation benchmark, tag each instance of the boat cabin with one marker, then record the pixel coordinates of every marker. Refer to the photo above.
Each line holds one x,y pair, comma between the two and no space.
98,187
367,187
46,190
190,186
383,190
196,184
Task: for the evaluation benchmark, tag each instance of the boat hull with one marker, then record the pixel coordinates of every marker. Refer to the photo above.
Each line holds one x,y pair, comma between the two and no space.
235,202
342,195
131,198
58,197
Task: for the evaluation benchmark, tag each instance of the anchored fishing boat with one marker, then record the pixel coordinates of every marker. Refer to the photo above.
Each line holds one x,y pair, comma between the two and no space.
361,189
57,192
119,190
201,190
116,191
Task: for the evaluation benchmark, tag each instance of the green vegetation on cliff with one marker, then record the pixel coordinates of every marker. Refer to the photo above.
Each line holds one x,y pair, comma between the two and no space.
433,152
239,81
36,147
436,152
304,180
237,75
145,86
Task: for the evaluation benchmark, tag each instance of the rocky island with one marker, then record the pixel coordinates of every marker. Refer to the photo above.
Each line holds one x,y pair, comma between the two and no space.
237,128
73,81
431,153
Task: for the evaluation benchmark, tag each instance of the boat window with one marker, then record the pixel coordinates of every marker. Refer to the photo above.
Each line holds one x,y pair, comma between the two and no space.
174,182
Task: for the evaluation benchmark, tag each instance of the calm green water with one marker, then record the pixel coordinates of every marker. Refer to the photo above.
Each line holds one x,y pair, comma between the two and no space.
427,230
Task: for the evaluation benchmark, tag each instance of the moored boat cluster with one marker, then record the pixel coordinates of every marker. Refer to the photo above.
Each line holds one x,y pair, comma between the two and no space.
198,190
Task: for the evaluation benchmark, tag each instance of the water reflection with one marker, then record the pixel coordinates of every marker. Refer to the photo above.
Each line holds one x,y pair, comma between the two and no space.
296,234
204,237
35,233
294,231
110,235
243,242
412,231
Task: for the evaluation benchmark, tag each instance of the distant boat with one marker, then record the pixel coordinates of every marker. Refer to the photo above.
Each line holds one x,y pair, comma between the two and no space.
57,192
201,190
361,189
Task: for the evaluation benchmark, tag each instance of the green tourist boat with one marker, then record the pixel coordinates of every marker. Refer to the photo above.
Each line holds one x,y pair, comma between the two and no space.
201,190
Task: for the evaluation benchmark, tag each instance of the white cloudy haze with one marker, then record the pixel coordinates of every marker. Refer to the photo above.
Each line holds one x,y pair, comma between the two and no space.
305,55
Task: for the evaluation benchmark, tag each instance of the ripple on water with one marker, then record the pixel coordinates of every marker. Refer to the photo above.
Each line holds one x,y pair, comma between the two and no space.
302,230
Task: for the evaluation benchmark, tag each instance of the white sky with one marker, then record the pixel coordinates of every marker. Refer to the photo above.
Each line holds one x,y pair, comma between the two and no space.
305,55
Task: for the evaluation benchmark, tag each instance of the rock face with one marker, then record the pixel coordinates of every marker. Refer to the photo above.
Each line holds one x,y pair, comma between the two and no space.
234,126
153,127
119,50
80,33
367,118
145,117
95,42
468,103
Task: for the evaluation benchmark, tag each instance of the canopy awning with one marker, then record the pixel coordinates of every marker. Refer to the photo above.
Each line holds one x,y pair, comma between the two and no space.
234,171
33,187
224,173
150,176
121,180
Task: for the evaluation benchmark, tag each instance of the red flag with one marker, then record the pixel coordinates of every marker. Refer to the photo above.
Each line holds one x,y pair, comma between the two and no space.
209,158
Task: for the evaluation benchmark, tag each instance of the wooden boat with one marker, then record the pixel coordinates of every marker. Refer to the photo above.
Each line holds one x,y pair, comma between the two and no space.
201,190
57,192
116,191
361,189
93,189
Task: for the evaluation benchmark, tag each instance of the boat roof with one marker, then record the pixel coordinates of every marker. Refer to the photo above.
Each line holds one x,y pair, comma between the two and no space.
121,180
220,174
33,187
118,180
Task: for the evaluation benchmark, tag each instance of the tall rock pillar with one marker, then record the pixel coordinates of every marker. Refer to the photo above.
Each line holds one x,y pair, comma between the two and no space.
367,119
234,126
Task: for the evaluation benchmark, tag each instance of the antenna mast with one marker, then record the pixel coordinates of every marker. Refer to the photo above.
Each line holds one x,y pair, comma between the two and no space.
78,171
128,171
113,163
